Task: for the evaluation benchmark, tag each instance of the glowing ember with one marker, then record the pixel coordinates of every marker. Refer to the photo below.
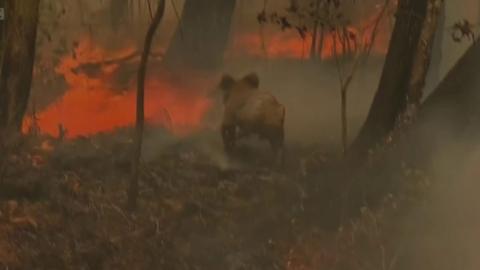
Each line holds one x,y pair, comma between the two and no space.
92,103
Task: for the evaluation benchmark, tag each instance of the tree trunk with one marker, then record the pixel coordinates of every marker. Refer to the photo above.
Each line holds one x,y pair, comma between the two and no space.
321,41
17,62
2,30
343,113
433,76
390,99
313,48
421,63
202,35
262,32
140,121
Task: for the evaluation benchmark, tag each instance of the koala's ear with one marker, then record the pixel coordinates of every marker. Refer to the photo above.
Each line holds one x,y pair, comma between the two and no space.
252,80
226,82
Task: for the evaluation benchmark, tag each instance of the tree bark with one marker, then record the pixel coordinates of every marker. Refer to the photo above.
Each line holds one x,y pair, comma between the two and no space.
391,97
2,30
140,116
17,62
422,59
433,76
202,35
321,41
313,48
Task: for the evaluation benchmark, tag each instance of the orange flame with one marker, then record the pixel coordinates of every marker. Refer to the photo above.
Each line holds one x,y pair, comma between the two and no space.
95,103
92,104
288,44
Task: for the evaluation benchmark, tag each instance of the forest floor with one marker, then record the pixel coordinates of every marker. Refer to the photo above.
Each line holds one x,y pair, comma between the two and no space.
62,206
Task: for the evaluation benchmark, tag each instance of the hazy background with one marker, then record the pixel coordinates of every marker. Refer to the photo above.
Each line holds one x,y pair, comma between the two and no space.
443,234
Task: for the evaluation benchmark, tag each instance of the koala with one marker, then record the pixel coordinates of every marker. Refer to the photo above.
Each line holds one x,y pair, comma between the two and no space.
251,111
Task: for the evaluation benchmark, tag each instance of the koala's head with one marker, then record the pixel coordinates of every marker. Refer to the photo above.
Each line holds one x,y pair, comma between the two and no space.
228,84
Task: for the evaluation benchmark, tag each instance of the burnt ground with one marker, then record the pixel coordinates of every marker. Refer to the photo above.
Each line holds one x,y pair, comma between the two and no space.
62,207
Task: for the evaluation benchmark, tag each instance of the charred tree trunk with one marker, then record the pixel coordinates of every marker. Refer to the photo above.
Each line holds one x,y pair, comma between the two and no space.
433,77
202,35
313,48
321,41
17,62
391,97
262,32
421,63
140,117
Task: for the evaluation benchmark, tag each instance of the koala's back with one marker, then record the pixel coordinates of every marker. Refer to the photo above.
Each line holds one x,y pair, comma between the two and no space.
248,110
261,110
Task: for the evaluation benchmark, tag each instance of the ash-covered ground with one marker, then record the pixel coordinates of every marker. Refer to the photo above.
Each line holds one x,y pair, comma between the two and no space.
63,207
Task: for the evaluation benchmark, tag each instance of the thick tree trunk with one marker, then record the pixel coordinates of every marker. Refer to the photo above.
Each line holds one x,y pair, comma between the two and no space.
390,99
421,62
140,121
202,35
17,62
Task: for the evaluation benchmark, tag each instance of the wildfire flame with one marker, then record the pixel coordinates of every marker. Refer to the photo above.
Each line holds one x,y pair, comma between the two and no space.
289,44
92,103
95,102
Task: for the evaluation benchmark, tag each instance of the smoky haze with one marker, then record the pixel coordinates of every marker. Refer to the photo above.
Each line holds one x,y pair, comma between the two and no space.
443,234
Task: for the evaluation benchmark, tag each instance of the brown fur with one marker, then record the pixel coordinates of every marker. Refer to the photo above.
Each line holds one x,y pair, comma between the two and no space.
251,111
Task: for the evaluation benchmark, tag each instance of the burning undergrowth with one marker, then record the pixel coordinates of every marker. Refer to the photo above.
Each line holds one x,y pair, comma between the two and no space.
289,45
100,95
300,34
190,209
62,206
